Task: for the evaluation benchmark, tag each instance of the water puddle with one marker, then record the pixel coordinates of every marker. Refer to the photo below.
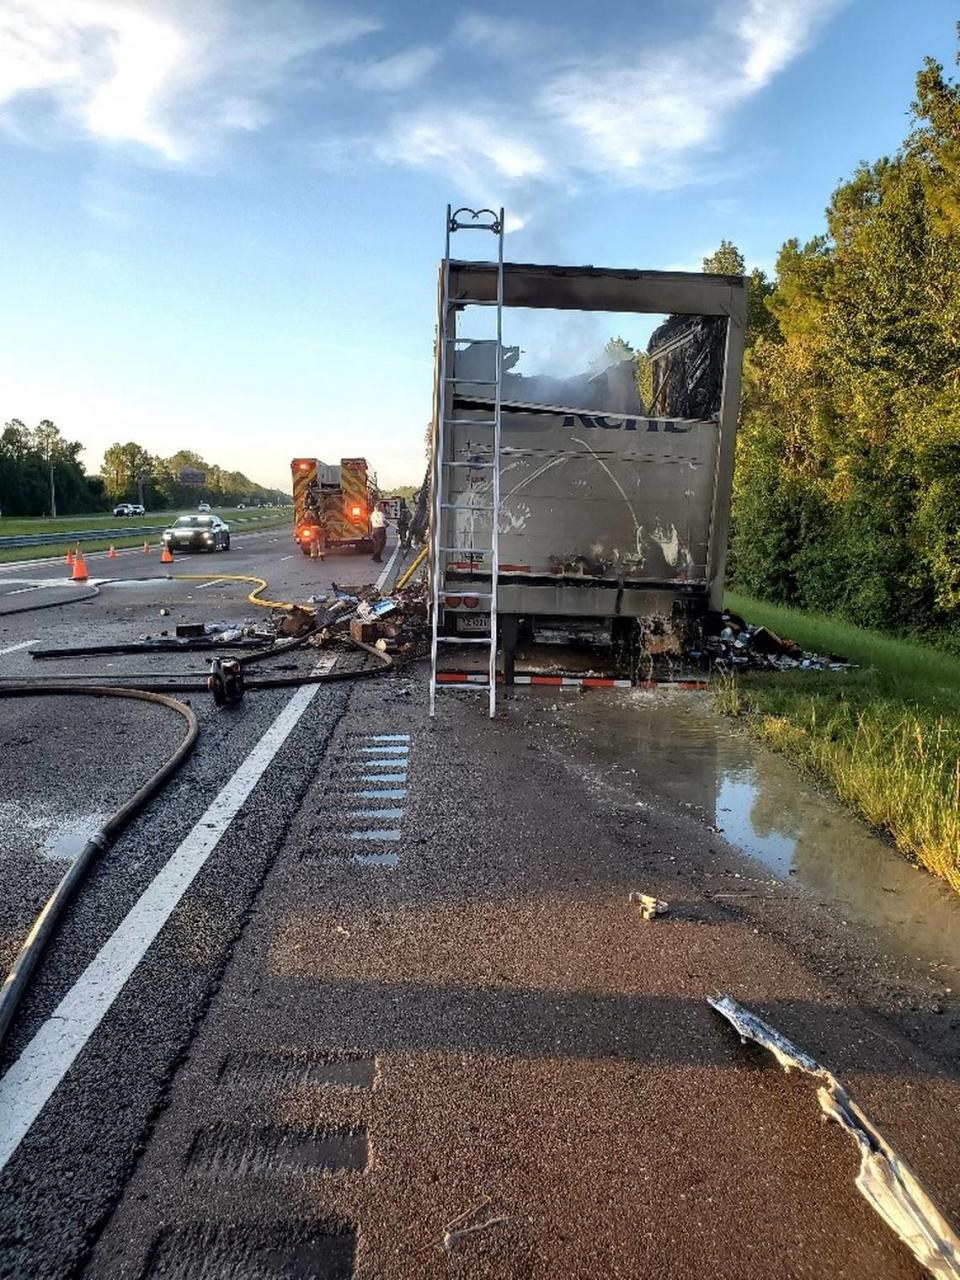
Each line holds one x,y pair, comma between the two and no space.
673,746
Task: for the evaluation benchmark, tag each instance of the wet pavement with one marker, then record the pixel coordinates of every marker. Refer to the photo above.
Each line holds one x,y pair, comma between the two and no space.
669,746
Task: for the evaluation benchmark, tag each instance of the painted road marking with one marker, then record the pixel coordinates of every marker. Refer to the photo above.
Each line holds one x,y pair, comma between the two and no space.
375,813
385,833
389,565
22,591
387,793
24,644
386,751
30,1082
387,737
214,582
376,859
382,777
282,558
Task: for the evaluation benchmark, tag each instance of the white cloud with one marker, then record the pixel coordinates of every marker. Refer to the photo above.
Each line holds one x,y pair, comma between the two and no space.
646,116
398,72
171,75
463,144
500,37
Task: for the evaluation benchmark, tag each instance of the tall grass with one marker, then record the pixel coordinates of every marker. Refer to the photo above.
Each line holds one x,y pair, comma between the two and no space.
885,737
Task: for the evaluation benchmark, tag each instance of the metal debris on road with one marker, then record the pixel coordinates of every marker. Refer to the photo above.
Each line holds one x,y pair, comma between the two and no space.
885,1179
650,906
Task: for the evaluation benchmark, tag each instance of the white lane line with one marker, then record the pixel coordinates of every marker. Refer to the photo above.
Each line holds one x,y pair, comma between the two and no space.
24,644
214,582
22,591
389,565
30,1082
282,558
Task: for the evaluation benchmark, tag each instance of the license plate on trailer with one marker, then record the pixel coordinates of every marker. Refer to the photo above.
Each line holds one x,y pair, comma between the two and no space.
473,622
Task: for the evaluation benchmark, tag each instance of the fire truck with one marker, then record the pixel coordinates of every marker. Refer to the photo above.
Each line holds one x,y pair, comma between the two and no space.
343,495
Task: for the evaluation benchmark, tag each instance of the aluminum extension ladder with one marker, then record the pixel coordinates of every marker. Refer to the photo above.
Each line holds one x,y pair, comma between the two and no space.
466,220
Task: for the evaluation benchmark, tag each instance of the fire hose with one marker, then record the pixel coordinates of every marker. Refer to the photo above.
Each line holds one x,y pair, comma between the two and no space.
17,979
155,691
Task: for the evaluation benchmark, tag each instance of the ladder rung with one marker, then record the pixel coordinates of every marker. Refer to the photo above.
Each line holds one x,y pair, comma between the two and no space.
456,684
474,382
469,422
468,551
473,302
451,463
478,342
458,506
457,590
464,640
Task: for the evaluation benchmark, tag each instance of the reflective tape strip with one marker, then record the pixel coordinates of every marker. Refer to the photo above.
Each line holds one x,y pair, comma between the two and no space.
572,682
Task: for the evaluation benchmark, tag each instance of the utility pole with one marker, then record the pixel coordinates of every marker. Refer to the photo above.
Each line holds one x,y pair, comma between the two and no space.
53,487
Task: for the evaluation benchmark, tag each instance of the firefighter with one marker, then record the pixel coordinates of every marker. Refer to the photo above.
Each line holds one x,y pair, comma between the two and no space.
321,524
378,532
403,524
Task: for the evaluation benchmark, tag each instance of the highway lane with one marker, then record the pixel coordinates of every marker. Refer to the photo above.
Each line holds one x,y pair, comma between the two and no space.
63,766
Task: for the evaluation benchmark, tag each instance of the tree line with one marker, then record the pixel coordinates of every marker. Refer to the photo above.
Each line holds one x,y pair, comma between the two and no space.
41,474
847,484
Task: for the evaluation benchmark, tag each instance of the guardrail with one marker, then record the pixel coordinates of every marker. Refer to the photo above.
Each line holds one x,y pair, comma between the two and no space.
16,541
82,535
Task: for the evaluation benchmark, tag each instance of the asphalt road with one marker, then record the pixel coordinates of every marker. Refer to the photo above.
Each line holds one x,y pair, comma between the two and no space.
404,992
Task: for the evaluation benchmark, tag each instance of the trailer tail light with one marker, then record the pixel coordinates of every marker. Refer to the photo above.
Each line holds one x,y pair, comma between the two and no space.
453,602
471,602
356,511
308,533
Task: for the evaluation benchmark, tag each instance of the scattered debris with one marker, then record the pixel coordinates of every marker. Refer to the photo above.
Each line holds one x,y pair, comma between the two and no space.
729,643
648,904
451,1239
885,1179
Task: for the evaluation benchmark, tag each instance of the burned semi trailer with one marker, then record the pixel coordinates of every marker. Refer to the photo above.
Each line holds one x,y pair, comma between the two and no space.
611,514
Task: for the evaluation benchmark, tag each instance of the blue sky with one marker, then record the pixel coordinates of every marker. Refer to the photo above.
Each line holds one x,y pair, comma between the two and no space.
221,219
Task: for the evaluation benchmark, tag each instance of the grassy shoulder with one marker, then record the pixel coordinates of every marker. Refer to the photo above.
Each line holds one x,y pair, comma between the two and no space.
886,736
113,531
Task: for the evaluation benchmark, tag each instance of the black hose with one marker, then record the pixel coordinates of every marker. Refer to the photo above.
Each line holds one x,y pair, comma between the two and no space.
195,681
16,981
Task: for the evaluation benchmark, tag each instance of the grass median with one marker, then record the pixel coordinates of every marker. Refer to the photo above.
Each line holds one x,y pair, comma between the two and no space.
885,736
113,531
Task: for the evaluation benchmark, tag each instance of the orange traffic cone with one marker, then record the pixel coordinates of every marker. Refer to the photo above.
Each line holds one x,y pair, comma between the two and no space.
79,568
112,553
165,556
69,559
146,548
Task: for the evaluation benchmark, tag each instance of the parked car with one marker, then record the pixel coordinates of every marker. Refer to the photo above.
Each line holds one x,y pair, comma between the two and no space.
241,506
203,506
136,509
197,533
123,509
